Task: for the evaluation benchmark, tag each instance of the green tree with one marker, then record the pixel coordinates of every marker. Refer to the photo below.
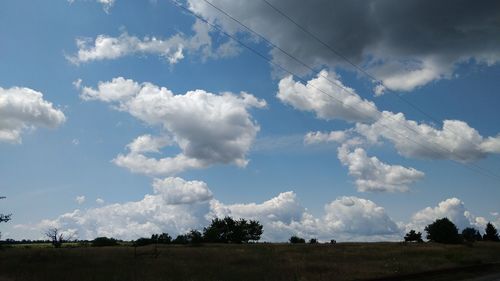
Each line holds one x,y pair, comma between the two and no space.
443,231
490,233
297,240
413,236
104,241
228,230
471,234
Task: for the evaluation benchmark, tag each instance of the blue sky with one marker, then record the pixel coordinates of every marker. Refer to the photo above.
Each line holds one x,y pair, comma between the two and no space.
68,118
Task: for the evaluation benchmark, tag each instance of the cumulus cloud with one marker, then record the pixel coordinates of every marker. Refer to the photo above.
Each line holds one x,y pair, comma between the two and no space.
99,201
208,128
172,49
327,101
455,141
406,45
24,109
80,199
453,209
178,191
373,175
177,206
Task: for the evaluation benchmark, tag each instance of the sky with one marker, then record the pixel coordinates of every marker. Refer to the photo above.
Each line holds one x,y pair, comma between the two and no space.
346,120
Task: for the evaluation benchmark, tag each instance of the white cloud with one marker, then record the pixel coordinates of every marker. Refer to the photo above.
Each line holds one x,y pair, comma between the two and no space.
177,206
453,209
23,109
357,216
320,137
178,191
208,128
80,199
172,49
373,175
456,140
99,201
326,100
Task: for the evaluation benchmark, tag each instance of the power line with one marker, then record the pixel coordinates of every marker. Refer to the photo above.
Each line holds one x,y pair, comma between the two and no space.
356,66
483,171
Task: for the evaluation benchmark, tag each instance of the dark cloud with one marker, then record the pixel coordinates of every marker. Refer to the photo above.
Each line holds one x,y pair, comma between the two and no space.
406,43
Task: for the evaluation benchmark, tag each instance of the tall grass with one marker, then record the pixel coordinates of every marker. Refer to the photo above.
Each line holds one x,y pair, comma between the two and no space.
343,261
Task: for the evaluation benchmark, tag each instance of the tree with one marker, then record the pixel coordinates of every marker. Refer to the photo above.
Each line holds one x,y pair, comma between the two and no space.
443,231
104,241
471,234
4,218
56,237
163,238
297,240
181,239
413,236
195,237
228,230
490,233
313,241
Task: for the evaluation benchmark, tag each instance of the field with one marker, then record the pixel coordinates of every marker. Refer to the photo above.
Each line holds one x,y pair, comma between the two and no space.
343,261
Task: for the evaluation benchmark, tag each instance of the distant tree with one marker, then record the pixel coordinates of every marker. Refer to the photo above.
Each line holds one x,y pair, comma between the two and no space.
471,234
333,241
194,237
228,230
163,238
181,239
413,236
103,241
143,242
490,233
313,241
56,237
443,231
4,218
297,240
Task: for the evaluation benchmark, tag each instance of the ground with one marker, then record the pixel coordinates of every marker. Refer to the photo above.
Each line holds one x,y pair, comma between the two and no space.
342,261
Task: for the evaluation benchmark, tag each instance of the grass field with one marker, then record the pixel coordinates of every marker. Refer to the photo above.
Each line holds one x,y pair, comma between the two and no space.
343,261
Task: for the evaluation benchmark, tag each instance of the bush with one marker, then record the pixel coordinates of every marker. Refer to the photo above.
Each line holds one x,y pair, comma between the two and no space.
413,236
297,240
443,231
103,241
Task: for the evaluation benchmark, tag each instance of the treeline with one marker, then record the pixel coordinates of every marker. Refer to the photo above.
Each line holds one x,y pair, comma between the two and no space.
445,231
225,230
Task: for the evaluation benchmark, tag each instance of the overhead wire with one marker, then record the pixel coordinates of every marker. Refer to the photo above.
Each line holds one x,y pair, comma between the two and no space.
478,168
359,68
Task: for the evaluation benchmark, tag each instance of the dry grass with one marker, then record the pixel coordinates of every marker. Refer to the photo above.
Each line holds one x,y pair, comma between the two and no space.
343,261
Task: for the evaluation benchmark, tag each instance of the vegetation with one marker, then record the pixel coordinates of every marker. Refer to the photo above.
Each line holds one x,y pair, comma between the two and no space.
104,241
56,237
257,261
470,234
491,233
443,231
228,230
297,240
413,236
4,218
